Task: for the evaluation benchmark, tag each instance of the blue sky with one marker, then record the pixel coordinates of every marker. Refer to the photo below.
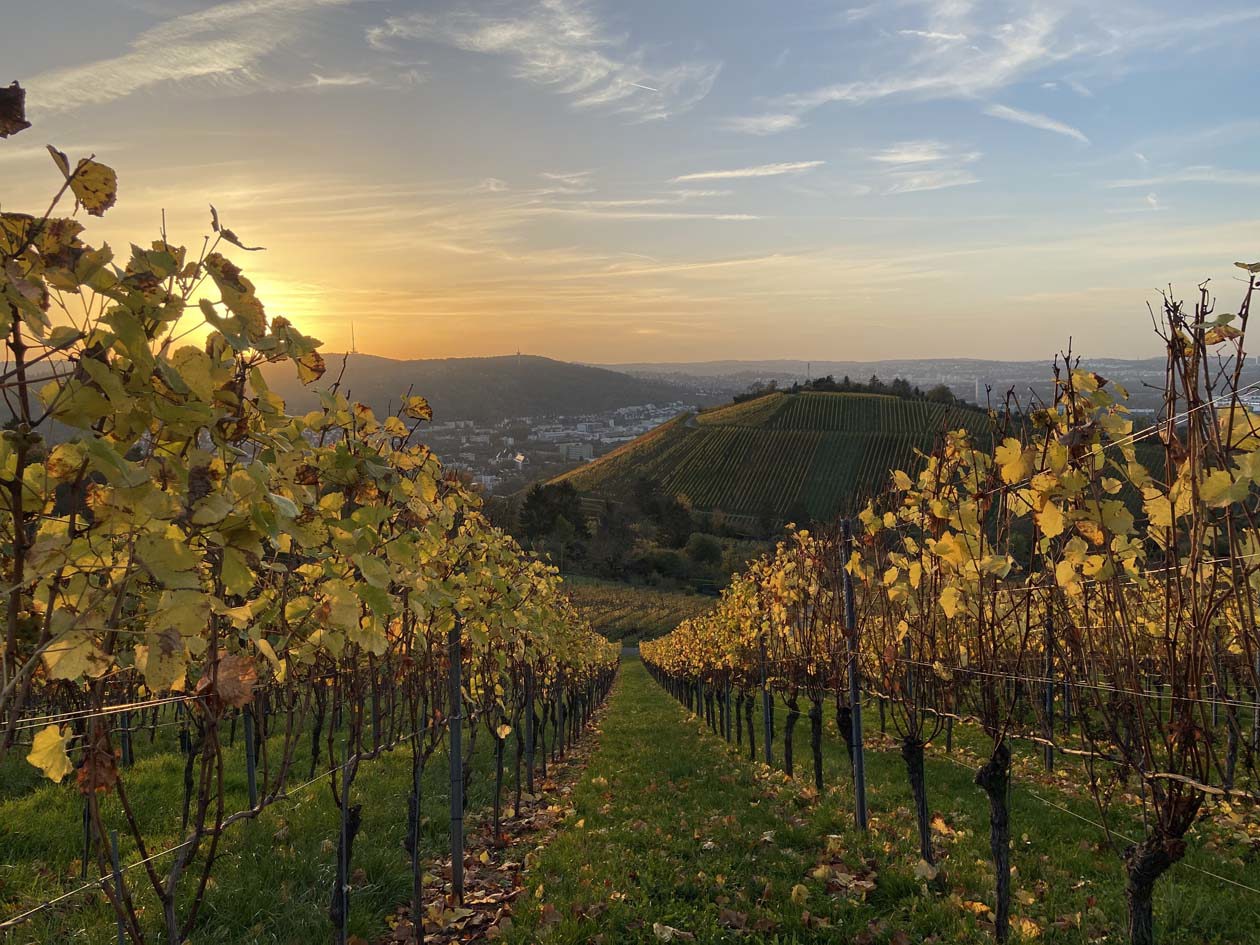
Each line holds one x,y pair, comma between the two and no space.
671,180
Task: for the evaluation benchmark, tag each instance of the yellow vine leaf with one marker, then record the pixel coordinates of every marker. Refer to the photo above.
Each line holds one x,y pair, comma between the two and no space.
95,186
1010,458
48,753
1050,520
310,367
73,656
418,408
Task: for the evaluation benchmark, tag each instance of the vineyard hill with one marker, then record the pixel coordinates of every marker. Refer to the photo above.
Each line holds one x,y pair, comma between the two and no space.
780,454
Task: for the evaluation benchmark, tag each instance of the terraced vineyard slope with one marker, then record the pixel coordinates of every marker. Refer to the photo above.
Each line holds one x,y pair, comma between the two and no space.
820,452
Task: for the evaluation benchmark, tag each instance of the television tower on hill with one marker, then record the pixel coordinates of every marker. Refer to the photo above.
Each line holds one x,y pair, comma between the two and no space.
354,349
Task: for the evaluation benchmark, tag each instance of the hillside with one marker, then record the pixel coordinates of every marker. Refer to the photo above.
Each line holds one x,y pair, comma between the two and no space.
779,454
630,613
483,389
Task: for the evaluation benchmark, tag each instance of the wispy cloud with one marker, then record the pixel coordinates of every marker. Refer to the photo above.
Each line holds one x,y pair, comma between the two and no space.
761,170
667,205
995,55
1198,174
920,152
562,45
967,51
223,43
572,178
1035,120
1149,203
934,35
344,80
909,182
914,166
768,124
616,213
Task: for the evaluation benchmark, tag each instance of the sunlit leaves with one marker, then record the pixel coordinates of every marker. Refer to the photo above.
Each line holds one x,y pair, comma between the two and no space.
187,535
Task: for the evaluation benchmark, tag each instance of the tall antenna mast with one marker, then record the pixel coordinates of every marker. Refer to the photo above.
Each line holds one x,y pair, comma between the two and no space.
354,349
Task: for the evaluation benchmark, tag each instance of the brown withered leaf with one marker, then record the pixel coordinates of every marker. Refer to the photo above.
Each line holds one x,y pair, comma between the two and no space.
99,771
235,681
12,110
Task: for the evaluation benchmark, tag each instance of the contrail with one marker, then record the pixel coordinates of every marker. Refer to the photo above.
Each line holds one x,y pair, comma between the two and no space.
639,86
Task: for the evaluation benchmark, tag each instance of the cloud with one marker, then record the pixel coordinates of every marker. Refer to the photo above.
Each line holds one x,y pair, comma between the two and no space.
1198,174
921,152
966,51
934,36
222,43
908,182
345,80
761,170
572,178
768,124
996,55
614,213
914,166
561,45
1150,202
664,205
1035,120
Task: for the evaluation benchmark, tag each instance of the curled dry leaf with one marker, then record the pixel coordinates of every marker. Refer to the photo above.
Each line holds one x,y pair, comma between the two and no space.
235,680
12,110
99,771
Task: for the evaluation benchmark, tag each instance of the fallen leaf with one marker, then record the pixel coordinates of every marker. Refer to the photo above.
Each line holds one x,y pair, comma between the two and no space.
667,933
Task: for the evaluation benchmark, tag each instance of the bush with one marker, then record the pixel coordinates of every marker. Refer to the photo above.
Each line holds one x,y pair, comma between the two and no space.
704,549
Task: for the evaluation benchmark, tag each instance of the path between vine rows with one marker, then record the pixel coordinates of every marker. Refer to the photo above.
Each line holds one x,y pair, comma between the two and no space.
673,838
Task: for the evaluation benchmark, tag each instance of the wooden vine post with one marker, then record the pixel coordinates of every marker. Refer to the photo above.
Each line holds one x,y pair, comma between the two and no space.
855,681
456,759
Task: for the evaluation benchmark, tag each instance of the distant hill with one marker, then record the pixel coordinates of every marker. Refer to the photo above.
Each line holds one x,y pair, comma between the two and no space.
968,378
483,389
815,451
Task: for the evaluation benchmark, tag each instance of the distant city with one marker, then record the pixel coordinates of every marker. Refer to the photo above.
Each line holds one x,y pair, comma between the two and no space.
505,456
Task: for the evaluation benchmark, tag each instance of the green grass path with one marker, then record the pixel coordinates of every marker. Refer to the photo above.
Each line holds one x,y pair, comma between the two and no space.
673,827
686,836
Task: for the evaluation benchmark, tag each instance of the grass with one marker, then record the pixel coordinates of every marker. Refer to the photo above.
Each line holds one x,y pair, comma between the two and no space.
274,876
671,827
688,834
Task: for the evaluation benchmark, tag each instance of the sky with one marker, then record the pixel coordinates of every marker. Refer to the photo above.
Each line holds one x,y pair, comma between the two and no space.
670,180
